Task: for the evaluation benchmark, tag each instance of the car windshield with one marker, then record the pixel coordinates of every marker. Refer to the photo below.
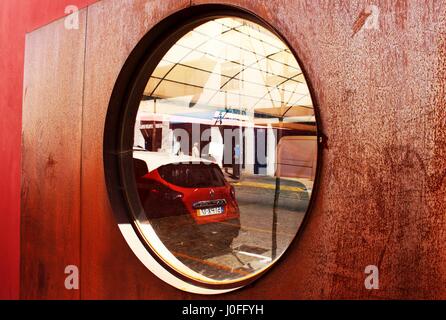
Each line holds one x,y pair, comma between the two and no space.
193,175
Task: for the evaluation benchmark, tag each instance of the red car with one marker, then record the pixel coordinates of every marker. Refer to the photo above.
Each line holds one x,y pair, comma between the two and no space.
170,186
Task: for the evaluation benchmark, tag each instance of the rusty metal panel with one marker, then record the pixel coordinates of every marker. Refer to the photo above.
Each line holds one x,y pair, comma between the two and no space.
51,148
110,269
379,78
380,90
380,95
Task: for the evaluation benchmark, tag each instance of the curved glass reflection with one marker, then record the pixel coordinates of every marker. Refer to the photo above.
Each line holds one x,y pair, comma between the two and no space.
225,151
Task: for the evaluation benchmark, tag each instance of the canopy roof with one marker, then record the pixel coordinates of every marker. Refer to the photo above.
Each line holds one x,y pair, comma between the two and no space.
231,63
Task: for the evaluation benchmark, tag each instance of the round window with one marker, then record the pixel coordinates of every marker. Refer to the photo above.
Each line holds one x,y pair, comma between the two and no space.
218,151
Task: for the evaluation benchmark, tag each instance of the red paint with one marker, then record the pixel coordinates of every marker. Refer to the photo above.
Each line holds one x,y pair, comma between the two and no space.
17,17
181,200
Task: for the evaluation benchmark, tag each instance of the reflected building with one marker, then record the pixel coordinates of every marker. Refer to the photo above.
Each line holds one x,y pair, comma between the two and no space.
235,89
226,138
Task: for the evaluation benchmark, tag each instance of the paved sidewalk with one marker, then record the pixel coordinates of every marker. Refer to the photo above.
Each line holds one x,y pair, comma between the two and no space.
267,182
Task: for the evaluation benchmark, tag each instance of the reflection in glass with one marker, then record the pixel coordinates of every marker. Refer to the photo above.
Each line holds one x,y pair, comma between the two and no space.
225,151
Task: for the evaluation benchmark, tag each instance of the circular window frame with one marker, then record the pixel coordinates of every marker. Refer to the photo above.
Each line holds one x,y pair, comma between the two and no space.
119,130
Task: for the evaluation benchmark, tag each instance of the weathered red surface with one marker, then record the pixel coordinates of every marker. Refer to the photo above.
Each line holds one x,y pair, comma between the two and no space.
381,100
110,269
51,145
16,18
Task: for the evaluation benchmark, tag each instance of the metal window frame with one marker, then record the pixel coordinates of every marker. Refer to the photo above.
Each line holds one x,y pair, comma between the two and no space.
121,118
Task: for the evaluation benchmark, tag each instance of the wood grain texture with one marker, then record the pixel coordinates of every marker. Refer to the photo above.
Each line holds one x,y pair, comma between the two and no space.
52,114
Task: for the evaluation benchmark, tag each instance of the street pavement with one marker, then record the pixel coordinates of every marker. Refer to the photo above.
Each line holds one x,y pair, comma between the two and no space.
252,250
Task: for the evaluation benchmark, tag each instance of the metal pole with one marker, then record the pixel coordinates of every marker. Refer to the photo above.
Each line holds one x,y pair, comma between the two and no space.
276,196
274,229
154,127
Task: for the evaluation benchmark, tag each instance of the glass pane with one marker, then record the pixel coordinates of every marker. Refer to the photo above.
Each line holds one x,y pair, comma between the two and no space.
225,152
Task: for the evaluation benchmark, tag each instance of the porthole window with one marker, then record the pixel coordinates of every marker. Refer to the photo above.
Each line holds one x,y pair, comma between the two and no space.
218,152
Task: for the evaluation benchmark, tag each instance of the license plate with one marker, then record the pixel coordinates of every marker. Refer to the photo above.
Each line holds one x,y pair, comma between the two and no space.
210,211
